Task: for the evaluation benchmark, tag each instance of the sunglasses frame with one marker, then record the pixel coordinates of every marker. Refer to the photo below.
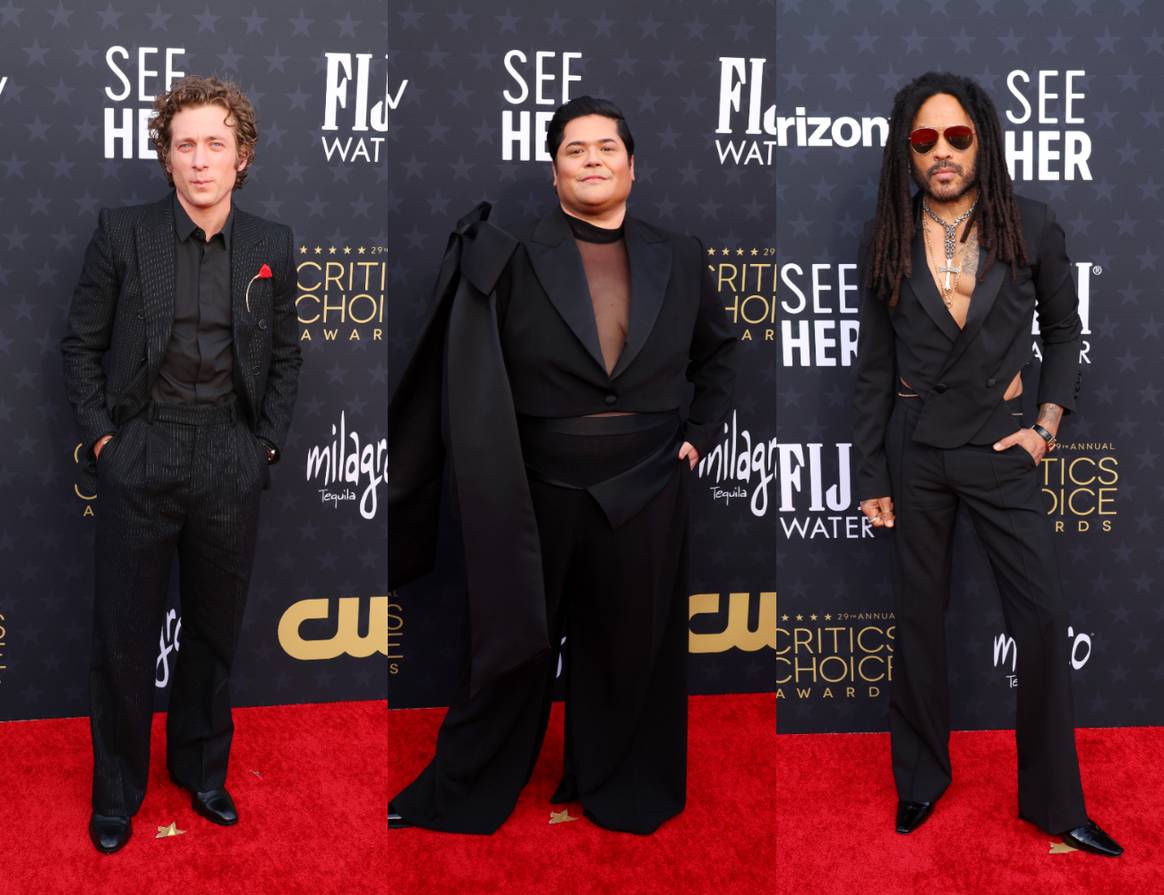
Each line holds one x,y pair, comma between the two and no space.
942,134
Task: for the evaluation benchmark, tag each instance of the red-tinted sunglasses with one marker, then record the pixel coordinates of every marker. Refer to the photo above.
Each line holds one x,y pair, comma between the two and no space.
926,138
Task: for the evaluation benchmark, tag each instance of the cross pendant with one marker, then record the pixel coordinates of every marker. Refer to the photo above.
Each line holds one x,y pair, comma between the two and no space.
947,270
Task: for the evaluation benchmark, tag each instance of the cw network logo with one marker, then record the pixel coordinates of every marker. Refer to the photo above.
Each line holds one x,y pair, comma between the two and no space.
725,620
1005,649
310,631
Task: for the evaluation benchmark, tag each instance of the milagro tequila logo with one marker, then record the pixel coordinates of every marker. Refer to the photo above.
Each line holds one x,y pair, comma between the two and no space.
740,467
349,464
169,641
1006,653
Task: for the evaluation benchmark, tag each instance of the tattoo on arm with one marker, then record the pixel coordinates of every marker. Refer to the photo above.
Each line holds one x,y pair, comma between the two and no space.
1049,417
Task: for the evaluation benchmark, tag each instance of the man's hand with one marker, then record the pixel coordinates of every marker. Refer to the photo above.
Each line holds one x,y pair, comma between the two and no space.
1030,440
689,453
879,511
100,446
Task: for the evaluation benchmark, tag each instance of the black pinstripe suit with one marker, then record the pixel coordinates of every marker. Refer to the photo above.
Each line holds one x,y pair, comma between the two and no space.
182,478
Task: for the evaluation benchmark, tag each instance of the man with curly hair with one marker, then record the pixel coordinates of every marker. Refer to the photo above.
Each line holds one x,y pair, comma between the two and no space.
181,364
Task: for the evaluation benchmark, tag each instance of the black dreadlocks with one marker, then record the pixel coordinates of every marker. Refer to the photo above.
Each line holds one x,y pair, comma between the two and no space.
997,216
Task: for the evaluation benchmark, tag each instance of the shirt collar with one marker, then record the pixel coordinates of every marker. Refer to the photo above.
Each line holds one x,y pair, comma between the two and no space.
184,227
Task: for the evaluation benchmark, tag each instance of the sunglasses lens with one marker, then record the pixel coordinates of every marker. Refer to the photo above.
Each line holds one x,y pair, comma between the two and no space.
923,139
960,137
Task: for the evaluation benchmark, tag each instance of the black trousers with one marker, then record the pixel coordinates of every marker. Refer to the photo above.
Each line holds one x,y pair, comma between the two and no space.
619,598
178,480
1001,492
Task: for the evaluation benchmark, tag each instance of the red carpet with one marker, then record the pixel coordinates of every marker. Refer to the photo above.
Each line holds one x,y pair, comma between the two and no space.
836,803
329,758
723,843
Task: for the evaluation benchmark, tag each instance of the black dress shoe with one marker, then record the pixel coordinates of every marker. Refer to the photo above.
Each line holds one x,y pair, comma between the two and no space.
109,832
216,806
910,815
395,821
1090,837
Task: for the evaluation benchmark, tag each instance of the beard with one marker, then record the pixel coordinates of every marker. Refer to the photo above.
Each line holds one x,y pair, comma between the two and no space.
949,192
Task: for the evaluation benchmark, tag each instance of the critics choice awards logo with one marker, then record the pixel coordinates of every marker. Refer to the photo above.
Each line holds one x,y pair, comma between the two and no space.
1080,481
829,655
395,633
342,292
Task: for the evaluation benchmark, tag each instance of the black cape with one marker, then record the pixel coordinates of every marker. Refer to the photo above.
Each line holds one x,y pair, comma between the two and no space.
457,373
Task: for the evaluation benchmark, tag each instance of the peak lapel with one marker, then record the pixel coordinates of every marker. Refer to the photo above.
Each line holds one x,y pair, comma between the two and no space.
247,247
650,269
921,282
558,267
156,260
981,301
246,257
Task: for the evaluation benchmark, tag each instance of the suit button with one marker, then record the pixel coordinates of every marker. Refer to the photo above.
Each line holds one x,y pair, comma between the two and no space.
140,315
991,383
256,369
262,324
940,387
610,399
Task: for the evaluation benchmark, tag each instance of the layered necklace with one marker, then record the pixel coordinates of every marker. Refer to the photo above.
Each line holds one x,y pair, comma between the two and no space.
951,234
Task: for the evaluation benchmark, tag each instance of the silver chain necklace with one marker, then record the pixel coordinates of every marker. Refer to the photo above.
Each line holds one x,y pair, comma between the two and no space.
951,233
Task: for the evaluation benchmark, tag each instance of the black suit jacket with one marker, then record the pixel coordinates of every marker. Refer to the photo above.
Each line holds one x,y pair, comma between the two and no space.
962,374
678,341
511,330
123,309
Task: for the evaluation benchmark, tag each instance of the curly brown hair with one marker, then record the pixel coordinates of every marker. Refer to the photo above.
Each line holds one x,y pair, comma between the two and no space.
194,91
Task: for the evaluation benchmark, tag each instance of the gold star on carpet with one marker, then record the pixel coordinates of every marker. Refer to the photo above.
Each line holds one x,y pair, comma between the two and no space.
171,830
1060,848
560,817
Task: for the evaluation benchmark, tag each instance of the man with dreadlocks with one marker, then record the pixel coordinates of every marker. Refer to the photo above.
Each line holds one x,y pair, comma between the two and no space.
951,278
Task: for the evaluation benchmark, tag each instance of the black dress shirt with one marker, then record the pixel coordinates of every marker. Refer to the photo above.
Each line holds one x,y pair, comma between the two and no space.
198,365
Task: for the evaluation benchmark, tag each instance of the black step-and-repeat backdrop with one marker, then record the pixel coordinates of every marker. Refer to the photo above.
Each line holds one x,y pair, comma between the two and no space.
76,86
1077,84
471,88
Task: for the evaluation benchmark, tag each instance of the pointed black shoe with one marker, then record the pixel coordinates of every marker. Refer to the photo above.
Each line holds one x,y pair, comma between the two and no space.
910,815
109,832
395,821
216,806
1090,837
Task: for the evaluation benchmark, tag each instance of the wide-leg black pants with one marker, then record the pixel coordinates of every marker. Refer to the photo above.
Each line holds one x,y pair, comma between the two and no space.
1001,492
619,598
177,480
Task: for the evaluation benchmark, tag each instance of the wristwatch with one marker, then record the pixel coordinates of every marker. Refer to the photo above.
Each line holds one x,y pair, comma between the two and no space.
1046,436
